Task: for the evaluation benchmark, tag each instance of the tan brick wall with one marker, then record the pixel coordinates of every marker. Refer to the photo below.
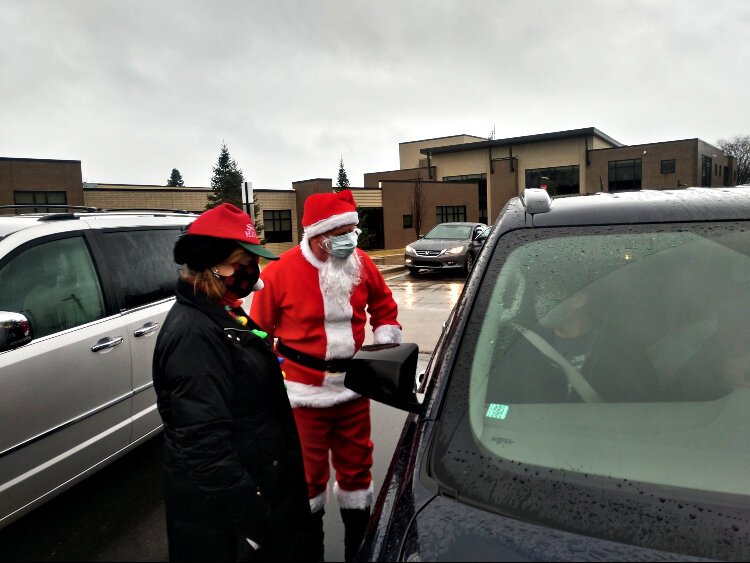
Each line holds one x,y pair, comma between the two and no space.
280,200
409,155
373,179
368,197
158,197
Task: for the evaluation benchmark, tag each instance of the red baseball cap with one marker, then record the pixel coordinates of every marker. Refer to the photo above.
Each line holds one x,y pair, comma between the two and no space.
229,222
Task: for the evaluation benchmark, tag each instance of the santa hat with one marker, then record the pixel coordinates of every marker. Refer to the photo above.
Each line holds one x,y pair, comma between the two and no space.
213,236
327,211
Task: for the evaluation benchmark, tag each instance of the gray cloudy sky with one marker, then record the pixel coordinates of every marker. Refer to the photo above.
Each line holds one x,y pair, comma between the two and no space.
133,89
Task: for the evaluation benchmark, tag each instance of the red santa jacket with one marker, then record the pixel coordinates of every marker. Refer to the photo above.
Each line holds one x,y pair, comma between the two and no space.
291,307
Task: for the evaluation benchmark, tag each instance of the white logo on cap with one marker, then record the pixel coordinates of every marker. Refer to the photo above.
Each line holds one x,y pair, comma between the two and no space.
250,231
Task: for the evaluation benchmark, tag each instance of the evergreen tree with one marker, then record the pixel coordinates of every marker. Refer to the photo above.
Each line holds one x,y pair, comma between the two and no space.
226,181
175,179
365,236
342,183
257,212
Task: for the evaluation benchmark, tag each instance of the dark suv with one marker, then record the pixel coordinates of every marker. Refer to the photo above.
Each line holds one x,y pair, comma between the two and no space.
589,396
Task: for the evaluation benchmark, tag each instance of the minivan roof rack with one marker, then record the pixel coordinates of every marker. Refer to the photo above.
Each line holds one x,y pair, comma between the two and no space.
35,206
149,209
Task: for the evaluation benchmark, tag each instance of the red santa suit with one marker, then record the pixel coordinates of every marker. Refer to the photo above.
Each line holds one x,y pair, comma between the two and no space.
327,326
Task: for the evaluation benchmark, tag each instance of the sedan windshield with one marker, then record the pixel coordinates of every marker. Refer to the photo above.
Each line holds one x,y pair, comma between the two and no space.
612,361
447,231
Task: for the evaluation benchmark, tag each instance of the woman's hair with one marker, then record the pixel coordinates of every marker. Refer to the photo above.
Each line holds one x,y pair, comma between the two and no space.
206,282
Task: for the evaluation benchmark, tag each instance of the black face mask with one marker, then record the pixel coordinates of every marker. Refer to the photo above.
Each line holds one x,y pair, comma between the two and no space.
240,284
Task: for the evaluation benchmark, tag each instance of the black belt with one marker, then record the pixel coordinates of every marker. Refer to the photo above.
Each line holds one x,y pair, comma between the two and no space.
335,366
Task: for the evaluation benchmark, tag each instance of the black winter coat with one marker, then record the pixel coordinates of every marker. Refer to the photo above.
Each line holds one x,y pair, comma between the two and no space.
232,460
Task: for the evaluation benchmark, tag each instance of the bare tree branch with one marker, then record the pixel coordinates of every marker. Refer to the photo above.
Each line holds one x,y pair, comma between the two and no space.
738,147
417,206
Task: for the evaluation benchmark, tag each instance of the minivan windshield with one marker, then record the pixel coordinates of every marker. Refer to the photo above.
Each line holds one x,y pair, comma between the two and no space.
448,231
610,357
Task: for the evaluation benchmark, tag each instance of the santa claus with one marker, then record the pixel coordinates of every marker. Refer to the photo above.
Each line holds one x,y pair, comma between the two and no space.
316,301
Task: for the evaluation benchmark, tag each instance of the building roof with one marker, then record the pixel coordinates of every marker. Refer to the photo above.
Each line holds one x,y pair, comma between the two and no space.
24,159
538,138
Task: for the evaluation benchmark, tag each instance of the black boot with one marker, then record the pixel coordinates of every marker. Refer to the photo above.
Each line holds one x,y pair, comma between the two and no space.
316,535
355,523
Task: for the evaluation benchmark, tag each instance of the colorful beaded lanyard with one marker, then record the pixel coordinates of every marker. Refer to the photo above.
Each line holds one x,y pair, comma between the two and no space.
242,319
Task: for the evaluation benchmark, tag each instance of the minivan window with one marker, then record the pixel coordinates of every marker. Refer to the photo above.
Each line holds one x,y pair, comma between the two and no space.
610,361
54,284
141,264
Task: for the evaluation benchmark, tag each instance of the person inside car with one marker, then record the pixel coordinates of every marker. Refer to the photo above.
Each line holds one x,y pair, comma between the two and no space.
574,355
233,473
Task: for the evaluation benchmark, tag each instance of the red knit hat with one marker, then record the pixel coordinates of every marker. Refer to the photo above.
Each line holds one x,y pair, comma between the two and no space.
327,211
228,222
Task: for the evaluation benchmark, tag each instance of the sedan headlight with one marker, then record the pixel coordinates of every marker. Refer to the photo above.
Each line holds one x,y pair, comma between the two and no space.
455,250
409,249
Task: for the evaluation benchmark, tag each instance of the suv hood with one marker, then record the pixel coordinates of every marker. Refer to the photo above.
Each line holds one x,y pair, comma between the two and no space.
447,530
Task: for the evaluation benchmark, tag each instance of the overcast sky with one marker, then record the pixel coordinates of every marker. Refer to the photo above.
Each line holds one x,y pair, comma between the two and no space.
133,89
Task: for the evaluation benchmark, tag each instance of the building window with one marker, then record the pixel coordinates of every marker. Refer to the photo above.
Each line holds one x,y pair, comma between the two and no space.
408,224
40,199
706,165
277,225
624,175
559,179
481,181
668,167
450,213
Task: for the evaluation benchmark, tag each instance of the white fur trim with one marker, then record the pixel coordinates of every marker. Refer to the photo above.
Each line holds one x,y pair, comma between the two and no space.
330,223
338,320
339,335
308,253
360,499
387,334
331,393
318,503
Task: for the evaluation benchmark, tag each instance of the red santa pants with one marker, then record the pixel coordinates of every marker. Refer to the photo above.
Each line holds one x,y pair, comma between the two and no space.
344,430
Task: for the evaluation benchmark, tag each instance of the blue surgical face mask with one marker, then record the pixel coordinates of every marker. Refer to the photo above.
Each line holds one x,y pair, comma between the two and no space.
342,246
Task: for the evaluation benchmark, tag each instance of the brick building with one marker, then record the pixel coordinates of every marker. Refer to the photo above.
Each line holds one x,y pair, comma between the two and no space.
454,178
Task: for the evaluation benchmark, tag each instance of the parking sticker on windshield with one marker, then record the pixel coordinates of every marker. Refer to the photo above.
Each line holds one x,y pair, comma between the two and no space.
495,410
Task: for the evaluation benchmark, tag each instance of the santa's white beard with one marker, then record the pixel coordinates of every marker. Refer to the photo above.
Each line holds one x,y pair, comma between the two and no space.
338,277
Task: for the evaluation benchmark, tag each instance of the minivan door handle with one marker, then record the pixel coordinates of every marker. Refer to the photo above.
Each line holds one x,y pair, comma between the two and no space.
106,343
146,329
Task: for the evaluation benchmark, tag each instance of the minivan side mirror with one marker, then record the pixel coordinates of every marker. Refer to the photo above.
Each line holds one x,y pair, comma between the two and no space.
15,330
386,373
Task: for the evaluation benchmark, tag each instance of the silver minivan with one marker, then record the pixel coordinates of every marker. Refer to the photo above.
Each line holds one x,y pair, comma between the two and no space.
82,297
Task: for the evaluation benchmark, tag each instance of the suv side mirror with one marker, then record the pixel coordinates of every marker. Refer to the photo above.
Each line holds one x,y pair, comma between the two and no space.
15,330
386,373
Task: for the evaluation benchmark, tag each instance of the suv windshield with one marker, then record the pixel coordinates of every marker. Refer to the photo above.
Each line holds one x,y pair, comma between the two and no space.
614,361
446,231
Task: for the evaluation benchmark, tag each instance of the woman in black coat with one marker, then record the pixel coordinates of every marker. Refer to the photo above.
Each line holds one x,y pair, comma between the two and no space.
234,479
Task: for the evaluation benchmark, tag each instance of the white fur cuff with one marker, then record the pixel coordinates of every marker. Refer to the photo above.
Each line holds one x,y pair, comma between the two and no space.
360,499
318,503
387,334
